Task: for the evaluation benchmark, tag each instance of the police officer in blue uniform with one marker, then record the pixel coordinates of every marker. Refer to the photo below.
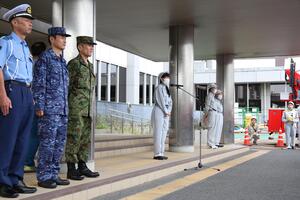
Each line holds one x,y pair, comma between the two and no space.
50,91
16,102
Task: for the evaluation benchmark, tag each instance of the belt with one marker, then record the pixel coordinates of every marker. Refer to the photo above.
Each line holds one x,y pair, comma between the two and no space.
212,109
28,85
156,104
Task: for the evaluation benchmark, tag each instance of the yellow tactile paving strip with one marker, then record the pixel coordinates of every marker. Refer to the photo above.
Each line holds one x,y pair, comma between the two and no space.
191,179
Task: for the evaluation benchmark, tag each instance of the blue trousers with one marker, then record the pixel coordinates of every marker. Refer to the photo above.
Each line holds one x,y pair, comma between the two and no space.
52,131
32,145
14,134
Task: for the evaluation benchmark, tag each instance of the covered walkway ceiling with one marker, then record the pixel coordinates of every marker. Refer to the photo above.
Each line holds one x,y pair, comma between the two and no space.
246,28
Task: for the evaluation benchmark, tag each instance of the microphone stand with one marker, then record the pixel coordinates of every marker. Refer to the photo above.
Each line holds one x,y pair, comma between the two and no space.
200,165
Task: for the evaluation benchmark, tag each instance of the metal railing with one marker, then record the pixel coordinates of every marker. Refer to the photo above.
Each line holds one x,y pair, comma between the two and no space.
129,123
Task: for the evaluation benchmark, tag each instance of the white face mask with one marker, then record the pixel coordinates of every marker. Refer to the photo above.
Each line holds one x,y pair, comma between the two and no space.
166,81
220,97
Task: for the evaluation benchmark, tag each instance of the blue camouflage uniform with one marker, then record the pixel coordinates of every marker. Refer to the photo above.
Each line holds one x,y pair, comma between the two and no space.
16,65
50,91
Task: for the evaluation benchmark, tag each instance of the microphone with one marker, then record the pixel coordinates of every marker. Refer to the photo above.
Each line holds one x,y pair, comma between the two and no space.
175,85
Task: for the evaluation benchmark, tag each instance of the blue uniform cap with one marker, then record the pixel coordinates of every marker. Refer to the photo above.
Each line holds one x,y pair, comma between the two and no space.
58,31
23,10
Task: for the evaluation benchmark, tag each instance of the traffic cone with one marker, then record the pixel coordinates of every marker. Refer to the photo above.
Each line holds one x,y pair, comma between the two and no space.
247,138
280,141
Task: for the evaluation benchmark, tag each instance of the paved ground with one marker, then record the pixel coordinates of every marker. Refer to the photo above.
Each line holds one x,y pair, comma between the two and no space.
272,176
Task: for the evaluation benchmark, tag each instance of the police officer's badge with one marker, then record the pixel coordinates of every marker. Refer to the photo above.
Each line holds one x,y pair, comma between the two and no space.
28,10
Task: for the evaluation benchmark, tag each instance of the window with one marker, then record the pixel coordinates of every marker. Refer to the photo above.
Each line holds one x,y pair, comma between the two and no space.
276,89
104,81
141,88
113,84
148,89
201,93
154,82
241,95
122,84
255,96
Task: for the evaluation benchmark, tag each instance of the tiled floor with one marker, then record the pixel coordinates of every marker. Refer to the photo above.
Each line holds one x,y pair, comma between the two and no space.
111,167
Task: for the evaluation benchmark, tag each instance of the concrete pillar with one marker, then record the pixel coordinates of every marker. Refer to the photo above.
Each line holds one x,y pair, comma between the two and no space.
108,82
181,40
99,68
248,95
225,81
151,90
263,101
268,98
145,89
118,85
79,18
133,79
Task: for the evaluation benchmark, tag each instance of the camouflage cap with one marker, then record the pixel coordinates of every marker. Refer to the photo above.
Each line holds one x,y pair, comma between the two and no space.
58,31
85,40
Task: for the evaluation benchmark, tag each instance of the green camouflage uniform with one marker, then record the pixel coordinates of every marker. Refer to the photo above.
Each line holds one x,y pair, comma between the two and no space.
82,83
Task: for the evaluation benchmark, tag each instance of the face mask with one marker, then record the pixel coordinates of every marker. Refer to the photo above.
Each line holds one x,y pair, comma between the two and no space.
166,81
220,97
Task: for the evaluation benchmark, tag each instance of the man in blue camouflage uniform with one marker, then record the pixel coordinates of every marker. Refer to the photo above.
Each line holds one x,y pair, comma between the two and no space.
16,103
50,91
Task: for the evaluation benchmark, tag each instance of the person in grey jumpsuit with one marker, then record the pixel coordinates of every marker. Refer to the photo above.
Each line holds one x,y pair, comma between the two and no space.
219,118
290,119
298,125
161,115
211,111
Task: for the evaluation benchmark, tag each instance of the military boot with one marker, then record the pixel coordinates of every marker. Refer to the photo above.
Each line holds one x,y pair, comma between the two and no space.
73,173
84,170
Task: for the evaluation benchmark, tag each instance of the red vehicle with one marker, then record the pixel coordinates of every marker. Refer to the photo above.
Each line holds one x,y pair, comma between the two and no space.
293,79
275,123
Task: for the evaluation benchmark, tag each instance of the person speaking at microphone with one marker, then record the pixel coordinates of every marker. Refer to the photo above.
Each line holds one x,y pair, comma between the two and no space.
161,115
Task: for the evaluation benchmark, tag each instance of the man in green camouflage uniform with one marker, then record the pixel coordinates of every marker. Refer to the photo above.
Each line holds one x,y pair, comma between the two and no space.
82,83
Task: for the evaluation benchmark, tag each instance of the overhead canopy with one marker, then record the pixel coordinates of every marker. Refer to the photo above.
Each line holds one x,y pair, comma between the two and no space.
246,28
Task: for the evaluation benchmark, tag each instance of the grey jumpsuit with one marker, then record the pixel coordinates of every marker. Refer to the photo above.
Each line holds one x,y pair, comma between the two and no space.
219,121
159,119
290,119
211,109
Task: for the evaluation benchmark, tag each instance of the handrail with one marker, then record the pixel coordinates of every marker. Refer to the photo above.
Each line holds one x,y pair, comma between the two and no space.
130,119
131,115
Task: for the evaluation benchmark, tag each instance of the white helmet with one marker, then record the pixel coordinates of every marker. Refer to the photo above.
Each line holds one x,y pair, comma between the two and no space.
253,117
212,85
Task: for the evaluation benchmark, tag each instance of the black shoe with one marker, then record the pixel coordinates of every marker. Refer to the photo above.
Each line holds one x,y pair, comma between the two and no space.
50,184
21,187
293,147
84,170
7,192
60,181
165,157
73,173
158,158
220,145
